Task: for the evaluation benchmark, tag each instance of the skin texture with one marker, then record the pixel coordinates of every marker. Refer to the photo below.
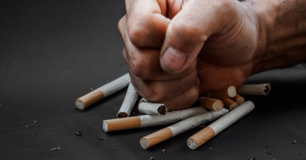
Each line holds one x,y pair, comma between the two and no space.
176,50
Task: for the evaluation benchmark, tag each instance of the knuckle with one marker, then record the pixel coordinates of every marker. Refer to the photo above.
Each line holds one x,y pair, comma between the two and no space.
137,33
185,30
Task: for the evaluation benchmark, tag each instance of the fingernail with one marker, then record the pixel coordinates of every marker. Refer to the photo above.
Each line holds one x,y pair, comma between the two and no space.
173,60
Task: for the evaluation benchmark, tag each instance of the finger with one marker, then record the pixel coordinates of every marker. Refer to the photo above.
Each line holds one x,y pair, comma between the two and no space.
183,101
189,29
162,90
146,22
144,63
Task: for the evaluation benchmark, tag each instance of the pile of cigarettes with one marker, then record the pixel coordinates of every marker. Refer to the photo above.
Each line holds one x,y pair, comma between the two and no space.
224,107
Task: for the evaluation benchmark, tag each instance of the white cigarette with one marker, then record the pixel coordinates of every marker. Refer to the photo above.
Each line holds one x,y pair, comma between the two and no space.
149,120
128,102
254,89
148,108
180,127
219,125
102,92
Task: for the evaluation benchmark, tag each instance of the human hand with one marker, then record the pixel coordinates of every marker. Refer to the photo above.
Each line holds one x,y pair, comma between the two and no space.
167,59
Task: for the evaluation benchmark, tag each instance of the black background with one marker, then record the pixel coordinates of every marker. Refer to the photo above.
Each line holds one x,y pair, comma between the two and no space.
52,52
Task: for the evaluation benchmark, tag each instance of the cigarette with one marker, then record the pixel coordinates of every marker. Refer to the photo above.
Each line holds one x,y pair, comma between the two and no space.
128,102
180,127
229,104
254,89
219,125
151,108
102,92
149,120
211,104
228,92
238,99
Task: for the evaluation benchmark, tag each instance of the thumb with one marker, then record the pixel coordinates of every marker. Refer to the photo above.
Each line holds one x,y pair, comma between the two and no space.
189,29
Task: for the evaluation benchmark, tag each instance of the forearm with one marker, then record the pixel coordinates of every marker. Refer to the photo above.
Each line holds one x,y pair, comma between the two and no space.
283,33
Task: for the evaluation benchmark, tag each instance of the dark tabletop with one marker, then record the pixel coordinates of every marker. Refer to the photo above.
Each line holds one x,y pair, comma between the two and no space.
52,52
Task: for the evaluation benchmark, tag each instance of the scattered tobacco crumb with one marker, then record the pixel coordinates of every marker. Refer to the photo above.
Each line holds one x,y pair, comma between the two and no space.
244,151
32,124
266,146
79,133
269,152
210,148
34,133
201,126
102,138
0,105
115,149
133,113
300,153
243,141
95,134
151,158
22,122
56,149
254,137
164,151
26,125
19,117
294,141
27,112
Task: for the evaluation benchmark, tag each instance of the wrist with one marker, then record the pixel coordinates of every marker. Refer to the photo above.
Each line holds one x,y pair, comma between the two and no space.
282,34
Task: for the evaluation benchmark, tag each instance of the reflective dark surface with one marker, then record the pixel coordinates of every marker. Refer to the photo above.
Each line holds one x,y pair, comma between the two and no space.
52,52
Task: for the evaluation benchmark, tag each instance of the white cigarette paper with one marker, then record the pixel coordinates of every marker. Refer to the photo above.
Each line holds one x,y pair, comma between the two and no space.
180,127
219,125
128,102
150,120
148,108
254,89
102,92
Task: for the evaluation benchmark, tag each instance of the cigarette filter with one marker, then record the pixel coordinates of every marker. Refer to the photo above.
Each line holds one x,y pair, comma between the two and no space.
102,92
128,102
219,125
229,104
180,127
238,99
254,89
149,120
211,104
228,92
148,108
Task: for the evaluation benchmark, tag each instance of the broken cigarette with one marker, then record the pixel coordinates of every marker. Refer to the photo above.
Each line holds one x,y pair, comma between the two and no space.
254,89
228,92
219,125
180,127
149,120
229,104
148,108
211,104
238,99
128,102
102,92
